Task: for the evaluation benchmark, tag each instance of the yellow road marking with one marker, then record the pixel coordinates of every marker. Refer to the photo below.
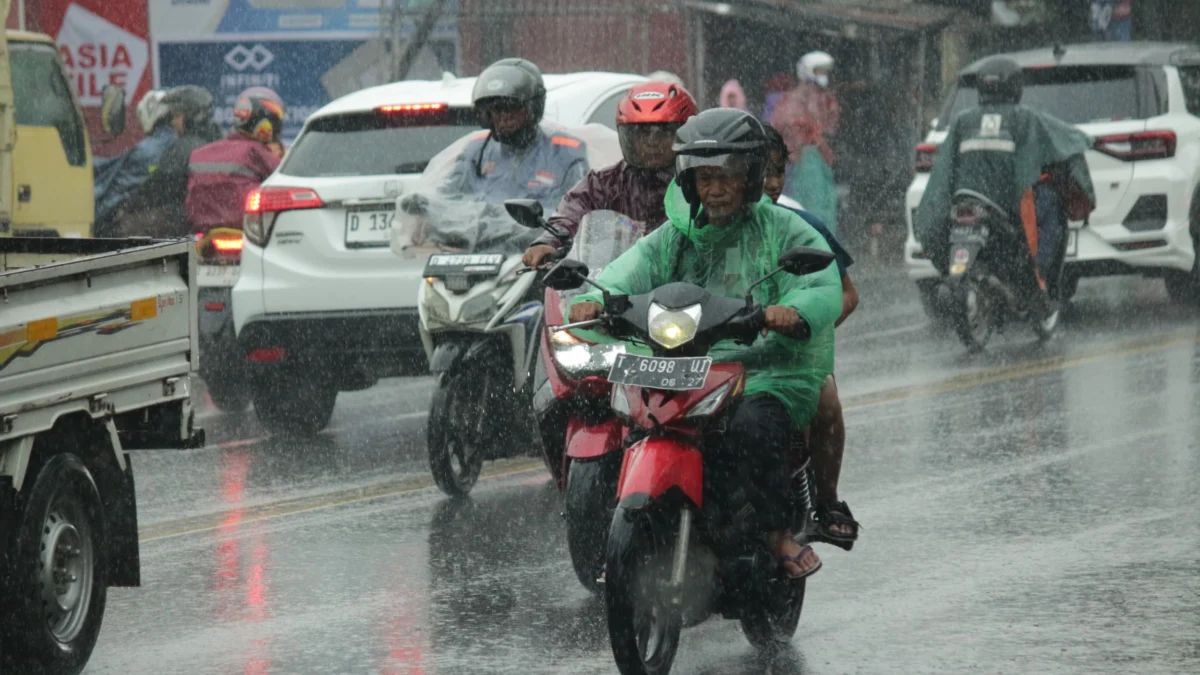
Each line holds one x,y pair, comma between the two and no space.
507,468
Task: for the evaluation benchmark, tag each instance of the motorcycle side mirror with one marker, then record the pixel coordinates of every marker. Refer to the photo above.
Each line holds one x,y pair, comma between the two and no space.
527,212
566,275
805,260
112,109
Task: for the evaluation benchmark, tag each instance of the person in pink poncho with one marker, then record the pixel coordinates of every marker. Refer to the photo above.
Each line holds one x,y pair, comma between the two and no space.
807,117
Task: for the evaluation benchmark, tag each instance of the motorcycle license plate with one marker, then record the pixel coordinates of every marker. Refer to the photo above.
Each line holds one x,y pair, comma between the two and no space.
656,372
369,228
463,264
221,276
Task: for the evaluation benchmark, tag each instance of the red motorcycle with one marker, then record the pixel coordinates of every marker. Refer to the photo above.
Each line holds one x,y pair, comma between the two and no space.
673,558
582,439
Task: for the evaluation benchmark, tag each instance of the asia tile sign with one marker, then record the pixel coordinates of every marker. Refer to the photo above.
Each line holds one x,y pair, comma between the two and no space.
96,53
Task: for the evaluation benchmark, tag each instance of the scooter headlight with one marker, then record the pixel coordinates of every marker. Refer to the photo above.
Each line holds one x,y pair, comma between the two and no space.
477,309
579,358
672,328
711,403
436,305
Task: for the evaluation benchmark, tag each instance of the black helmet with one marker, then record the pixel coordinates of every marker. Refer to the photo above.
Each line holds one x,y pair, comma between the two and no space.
999,81
196,104
512,83
725,137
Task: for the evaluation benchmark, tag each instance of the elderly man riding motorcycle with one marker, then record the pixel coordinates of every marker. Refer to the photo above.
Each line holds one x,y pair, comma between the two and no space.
724,233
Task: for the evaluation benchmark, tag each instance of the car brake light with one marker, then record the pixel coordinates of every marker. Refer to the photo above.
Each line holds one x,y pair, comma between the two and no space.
1134,147
925,153
264,204
267,355
411,107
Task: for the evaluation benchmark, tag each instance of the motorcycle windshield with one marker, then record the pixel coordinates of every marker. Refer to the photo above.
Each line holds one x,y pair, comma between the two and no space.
437,216
602,237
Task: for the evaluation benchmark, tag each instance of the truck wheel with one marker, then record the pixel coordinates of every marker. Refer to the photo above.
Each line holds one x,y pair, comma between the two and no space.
293,406
55,582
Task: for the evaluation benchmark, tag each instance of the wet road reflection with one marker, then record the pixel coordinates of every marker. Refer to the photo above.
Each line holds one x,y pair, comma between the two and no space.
1029,509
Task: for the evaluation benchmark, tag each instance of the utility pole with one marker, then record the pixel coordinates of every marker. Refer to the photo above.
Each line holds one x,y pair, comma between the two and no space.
402,60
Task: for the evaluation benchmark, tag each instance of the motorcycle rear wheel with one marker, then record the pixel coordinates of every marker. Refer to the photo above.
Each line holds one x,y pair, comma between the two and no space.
455,458
771,623
643,625
972,320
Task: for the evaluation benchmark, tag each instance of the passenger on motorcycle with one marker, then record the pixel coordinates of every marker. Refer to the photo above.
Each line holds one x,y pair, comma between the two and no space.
515,157
647,118
827,436
224,172
1025,161
723,234
155,208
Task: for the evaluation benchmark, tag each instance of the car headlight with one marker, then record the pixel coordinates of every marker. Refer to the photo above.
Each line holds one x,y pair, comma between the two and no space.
580,358
672,328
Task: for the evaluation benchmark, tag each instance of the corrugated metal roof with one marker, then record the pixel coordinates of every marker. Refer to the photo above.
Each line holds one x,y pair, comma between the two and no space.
890,14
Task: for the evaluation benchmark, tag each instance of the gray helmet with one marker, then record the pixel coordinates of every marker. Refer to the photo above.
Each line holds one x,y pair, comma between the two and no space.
196,104
511,82
724,137
999,82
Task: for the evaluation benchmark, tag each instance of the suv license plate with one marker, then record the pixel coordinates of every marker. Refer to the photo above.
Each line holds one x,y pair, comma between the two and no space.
217,275
369,228
656,372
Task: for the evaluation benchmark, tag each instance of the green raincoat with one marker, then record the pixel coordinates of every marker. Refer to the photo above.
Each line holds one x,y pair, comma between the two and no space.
811,183
1000,151
725,260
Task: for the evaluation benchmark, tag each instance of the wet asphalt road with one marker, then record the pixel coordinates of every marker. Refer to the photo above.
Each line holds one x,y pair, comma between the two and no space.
1030,509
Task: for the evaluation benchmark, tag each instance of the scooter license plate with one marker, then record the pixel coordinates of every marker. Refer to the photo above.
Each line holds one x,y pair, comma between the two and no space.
657,372
222,276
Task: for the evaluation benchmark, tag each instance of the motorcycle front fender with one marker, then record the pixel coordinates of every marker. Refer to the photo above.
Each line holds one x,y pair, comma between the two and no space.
587,441
963,255
446,355
654,466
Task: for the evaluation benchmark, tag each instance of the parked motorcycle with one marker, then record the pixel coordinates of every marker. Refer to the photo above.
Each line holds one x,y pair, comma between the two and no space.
991,273
582,440
221,361
673,558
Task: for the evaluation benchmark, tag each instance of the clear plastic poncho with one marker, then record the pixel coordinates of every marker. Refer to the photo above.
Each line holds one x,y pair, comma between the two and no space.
432,219
725,260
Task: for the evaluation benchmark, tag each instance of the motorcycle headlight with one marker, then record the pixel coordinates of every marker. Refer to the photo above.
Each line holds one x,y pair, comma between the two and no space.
580,358
712,402
436,305
672,328
477,308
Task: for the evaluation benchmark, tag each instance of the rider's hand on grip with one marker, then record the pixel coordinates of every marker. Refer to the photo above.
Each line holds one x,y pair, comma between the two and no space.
785,321
538,254
585,311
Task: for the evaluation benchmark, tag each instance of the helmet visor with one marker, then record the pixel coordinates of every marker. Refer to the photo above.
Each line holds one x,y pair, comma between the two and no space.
733,164
647,146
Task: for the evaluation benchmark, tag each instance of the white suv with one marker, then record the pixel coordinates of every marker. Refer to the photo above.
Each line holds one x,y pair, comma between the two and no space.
1140,103
322,304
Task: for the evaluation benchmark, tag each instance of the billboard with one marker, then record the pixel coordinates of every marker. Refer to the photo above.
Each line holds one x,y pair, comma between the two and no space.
309,51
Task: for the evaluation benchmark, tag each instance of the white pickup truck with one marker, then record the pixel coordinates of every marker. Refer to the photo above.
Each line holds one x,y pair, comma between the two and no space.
96,354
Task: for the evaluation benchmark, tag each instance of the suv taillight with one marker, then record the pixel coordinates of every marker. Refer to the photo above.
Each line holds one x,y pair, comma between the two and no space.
1142,145
264,205
925,153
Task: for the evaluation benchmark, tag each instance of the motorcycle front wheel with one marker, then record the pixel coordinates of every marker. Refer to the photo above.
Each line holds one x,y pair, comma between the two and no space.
455,452
591,489
643,624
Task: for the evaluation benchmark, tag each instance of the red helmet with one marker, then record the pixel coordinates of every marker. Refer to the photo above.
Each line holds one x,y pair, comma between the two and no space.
656,103
647,118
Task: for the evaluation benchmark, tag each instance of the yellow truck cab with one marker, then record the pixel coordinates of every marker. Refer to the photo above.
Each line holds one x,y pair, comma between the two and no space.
45,153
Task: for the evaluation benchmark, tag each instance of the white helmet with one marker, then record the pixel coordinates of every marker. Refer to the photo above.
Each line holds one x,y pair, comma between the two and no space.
667,76
806,68
151,109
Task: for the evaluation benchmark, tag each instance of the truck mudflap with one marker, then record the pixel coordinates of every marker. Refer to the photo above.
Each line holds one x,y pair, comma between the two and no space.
120,512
